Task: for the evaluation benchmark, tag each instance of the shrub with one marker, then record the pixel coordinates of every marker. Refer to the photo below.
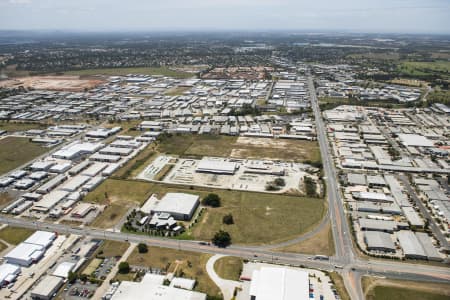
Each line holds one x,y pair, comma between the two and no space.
212,200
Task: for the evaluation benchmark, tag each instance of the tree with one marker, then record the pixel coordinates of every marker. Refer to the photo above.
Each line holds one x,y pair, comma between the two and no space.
142,248
124,268
221,239
228,219
72,277
279,181
212,200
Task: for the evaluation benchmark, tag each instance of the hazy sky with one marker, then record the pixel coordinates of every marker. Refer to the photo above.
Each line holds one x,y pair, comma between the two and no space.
412,16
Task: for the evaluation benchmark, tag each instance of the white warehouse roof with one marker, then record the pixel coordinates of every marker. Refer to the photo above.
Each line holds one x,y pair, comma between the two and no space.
415,140
178,203
216,166
24,254
41,238
270,283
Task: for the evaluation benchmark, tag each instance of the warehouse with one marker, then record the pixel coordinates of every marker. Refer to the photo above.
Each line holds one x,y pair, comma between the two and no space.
105,157
179,205
49,201
377,225
217,167
428,247
41,238
379,241
8,274
25,254
60,168
48,286
82,210
93,183
413,217
74,183
63,269
116,151
356,179
80,167
410,245
94,169
77,149
125,144
415,140
270,283
42,165
151,287
370,196
51,184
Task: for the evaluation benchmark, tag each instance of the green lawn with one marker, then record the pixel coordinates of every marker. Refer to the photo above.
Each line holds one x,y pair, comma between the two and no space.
387,293
137,70
191,264
229,267
15,235
16,151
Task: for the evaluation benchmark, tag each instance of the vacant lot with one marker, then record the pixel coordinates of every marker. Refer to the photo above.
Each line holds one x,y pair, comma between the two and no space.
119,196
224,146
3,246
380,289
15,235
125,71
321,243
57,83
16,151
112,248
229,267
192,264
12,126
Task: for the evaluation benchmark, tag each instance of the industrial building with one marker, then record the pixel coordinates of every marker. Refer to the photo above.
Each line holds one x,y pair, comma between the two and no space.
379,241
151,287
48,286
8,273
410,245
25,254
41,238
270,283
179,205
217,167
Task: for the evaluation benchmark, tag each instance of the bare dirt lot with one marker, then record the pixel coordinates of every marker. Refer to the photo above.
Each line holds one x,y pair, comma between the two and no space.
57,83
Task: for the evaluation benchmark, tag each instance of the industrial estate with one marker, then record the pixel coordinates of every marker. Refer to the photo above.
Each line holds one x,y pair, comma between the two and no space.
294,170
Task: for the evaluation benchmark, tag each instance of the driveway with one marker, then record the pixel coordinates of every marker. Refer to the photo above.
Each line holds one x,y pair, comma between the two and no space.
226,287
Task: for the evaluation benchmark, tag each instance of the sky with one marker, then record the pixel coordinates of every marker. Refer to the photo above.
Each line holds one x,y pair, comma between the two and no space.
371,16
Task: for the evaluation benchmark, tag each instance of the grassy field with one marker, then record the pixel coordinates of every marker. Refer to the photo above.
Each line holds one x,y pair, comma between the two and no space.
93,265
381,289
321,243
113,248
191,264
15,235
119,196
416,68
339,285
229,267
3,246
134,166
259,217
125,71
16,151
12,127
224,146
5,198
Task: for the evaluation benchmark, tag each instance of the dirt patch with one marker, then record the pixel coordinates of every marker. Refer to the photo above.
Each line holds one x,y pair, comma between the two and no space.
56,83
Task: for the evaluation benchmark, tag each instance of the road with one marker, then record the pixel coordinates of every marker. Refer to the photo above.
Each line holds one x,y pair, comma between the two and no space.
372,267
341,232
